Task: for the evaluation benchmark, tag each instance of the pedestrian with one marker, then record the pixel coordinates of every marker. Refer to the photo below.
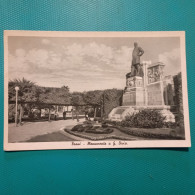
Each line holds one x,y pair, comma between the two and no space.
64,115
86,115
72,114
77,115
55,115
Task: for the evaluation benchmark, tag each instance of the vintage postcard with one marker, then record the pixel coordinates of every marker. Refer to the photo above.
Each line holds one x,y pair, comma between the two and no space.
77,90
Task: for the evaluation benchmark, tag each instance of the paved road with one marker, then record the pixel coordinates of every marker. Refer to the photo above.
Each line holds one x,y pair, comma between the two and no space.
31,129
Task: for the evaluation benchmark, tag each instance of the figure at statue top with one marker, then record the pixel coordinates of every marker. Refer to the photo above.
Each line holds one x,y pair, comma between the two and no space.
136,67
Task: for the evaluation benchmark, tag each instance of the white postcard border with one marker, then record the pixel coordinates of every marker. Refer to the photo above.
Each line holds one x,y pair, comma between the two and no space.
98,144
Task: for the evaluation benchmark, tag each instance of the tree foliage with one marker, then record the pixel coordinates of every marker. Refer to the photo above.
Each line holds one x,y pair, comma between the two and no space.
170,94
93,97
27,90
179,98
50,95
111,98
77,98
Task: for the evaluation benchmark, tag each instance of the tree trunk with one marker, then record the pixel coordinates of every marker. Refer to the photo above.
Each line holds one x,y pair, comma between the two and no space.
49,115
102,106
29,109
77,114
95,110
21,114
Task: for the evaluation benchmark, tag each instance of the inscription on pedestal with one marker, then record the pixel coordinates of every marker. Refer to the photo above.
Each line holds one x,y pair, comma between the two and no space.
129,99
155,94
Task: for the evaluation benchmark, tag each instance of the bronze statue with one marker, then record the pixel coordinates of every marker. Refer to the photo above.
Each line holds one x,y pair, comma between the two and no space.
136,69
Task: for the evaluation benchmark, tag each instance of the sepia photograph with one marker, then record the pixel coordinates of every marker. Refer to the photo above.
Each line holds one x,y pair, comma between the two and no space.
85,90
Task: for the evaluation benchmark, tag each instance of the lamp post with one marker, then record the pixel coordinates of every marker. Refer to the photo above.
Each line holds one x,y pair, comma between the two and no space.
16,117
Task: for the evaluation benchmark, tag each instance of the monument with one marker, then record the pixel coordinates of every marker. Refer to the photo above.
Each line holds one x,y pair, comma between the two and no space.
144,89
136,69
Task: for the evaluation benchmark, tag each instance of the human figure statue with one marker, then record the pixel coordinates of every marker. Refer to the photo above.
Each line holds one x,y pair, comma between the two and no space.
136,69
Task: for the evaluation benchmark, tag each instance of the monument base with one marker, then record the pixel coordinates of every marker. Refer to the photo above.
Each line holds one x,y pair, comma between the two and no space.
134,96
134,92
120,113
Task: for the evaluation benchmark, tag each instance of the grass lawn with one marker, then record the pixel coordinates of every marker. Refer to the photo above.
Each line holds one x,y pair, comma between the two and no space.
50,137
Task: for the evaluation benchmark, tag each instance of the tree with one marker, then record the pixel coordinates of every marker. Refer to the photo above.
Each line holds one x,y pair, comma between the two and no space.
93,97
111,99
104,99
26,93
77,99
65,88
27,90
179,99
50,95
170,94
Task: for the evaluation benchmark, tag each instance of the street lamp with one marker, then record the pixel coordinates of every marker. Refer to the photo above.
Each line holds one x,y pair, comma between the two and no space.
16,117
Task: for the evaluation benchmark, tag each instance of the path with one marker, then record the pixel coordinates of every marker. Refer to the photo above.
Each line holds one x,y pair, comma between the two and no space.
32,129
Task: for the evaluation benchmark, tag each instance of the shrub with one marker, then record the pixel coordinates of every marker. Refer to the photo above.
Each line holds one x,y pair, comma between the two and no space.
170,125
78,128
114,123
100,130
88,126
11,112
95,119
104,125
145,119
98,119
126,123
87,122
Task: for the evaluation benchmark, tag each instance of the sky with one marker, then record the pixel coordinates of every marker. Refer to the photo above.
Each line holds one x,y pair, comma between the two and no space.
86,64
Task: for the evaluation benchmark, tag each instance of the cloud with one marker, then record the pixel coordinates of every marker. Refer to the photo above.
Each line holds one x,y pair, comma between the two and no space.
90,64
73,50
97,55
54,59
16,63
45,41
172,61
37,57
123,57
20,52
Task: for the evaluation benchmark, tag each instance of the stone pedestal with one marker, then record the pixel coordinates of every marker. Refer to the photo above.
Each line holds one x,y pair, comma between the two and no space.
154,85
155,94
134,92
133,97
119,113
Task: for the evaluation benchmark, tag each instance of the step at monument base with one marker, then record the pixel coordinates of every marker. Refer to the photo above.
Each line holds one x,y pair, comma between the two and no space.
120,113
